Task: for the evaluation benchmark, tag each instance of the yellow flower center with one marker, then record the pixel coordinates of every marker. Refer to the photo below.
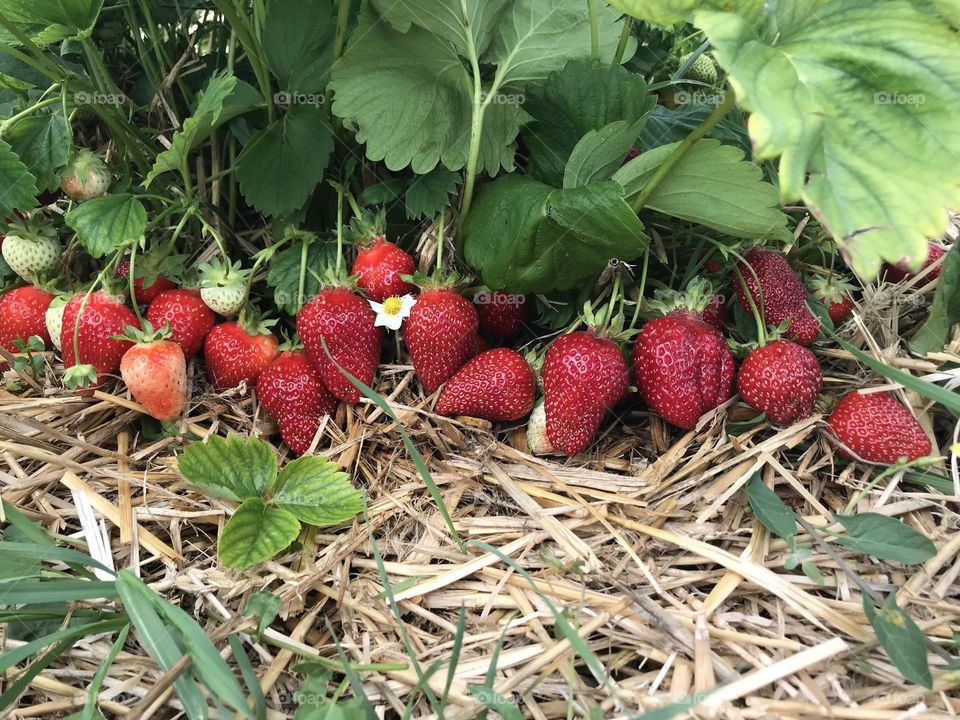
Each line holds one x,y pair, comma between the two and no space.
393,305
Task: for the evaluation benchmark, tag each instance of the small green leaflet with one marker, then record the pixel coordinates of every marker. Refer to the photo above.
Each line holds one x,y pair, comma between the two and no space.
264,606
317,492
600,153
904,642
18,188
885,537
255,533
230,468
107,223
43,145
770,509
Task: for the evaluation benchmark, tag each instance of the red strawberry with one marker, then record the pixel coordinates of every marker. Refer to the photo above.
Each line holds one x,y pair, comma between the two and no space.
155,372
784,296
715,313
782,379
836,295
877,428
234,355
379,266
22,315
682,367
583,377
145,291
292,391
440,334
497,385
102,320
188,316
348,325
897,274
502,315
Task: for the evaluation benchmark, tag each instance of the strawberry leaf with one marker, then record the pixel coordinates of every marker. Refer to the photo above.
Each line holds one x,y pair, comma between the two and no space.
317,492
711,184
428,194
900,637
230,468
945,310
19,186
43,145
600,153
841,100
885,537
770,509
106,224
48,21
255,533
669,12
284,275
298,44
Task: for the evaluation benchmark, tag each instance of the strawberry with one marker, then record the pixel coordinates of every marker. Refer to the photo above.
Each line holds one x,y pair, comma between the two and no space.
440,334
896,273
155,372
876,428
682,367
32,249
378,268
85,177
782,379
236,355
702,69
292,391
145,288
189,318
835,295
53,319
223,286
347,323
497,385
715,313
23,315
784,296
537,441
97,351
584,376
502,315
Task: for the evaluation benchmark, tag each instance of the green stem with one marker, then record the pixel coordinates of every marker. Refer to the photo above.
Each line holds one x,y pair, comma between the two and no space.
9,122
302,286
594,30
340,194
109,267
442,223
340,39
825,546
476,133
132,284
624,38
241,25
42,64
706,126
757,313
642,287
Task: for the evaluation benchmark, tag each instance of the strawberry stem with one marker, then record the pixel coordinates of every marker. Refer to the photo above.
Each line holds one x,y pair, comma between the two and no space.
756,312
641,288
339,264
594,30
442,222
132,283
302,286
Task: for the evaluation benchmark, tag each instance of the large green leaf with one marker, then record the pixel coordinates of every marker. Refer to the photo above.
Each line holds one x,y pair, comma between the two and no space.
43,144
858,98
885,537
280,166
945,309
297,44
256,532
18,188
529,237
317,492
464,23
108,223
900,637
711,184
230,467
669,12
48,21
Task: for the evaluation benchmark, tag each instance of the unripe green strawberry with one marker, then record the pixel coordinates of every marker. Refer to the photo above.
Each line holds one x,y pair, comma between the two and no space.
702,69
85,177
54,319
32,250
223,286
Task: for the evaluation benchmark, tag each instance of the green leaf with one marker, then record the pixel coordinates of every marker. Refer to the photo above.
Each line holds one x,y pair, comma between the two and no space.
665,125
49,21
317,492
43,144
281,165
230,467
711,184
770,509
902,640
35,591
579,98
256,532
492,700
106,224
427,195
264,606
529,237
885,538
18,188
600,153
413,106
670,12
298,44
463,23
945,309
284,275
863,121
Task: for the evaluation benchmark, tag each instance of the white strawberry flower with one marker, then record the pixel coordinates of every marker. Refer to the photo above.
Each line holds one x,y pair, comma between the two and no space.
393,311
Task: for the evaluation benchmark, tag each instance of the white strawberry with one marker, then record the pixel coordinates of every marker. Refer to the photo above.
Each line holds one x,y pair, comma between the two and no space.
223,286
54,318
31,250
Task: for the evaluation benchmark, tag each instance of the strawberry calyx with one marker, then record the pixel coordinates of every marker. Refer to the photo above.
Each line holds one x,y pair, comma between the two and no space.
696,298
253,323
438,280
148,334
219,274
33,227
80,376
367,227
830,289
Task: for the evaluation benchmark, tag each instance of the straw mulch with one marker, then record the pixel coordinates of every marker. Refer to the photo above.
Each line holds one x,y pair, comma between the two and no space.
647,546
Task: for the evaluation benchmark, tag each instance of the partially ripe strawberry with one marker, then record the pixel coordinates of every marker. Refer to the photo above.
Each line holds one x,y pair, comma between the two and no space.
876,428
223,286
497,385
834,294
378,268
234,355
85,177
189,318
584,376
145,290
897,274
292,391
32,250
441,335
100,323
784,296
781,379
155,372
537,441
23,315
502,315
682,367
347,323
